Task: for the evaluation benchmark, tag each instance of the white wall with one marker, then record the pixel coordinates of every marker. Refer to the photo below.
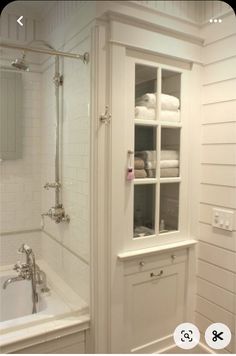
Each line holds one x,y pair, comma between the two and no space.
216,287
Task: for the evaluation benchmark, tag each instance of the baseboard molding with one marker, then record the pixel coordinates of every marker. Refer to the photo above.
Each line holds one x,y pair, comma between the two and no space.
173,349
154,346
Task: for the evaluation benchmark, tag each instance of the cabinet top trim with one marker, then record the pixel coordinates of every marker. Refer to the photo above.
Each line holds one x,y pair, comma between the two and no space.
128,255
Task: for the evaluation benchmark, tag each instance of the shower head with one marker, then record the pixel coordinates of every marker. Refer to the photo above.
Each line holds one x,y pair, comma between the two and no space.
20,64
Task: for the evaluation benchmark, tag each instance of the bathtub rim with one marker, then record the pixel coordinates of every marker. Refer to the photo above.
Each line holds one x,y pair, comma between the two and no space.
73,302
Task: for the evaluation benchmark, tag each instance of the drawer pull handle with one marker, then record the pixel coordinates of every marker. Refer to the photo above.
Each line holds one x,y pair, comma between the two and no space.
173,257
141,263
156,275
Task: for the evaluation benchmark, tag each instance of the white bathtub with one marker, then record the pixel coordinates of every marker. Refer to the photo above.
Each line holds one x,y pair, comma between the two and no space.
16,303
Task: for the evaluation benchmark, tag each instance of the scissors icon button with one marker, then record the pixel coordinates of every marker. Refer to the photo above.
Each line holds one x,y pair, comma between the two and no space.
217,335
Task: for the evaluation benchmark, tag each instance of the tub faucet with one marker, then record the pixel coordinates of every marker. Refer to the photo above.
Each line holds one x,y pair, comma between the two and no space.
29,271
12,280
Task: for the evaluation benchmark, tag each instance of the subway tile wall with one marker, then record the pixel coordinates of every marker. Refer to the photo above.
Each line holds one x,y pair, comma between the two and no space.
75,158
20,179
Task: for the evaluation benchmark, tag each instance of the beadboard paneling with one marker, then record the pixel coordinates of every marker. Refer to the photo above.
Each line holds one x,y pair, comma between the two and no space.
220,50
221,91
218,237
215,294
220,175
216,275
219,154
205,214
219,112
218,195
215,313
217,256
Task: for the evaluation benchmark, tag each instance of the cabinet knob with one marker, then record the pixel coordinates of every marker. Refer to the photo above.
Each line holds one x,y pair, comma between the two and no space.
156,275
173,257
141,263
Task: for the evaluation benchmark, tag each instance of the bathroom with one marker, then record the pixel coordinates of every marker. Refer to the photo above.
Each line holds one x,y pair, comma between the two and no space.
117,214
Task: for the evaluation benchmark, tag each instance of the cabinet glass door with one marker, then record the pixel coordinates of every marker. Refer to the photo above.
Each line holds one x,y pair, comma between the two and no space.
156,147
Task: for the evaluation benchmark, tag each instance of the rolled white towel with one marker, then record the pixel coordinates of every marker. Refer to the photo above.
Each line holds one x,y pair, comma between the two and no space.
170,163
169,115
144,113
169,172
168,102
146,155
150,164
169,155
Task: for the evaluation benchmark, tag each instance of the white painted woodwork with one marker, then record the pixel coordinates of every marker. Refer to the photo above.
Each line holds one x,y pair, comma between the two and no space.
210,310
218,154
220,71
206,214
218,195
203,323
214,236
219,133
214,174
217,256
215,294
219,50
219,112
70,344
217,275
148,299
218,92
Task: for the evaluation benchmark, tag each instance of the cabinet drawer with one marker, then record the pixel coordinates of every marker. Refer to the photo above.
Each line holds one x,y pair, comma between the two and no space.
146,263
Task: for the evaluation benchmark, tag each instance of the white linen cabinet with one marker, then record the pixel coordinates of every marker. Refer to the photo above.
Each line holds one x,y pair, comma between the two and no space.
146,250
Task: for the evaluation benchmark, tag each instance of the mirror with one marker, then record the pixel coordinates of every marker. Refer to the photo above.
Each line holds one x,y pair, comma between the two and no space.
10,115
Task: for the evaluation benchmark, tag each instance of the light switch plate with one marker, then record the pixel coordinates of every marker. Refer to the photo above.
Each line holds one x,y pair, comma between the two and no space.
222,219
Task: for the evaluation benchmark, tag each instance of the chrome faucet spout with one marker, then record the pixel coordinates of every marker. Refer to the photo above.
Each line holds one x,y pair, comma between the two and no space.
12,280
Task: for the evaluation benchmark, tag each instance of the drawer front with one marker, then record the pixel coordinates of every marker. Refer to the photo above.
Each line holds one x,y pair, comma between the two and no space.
145,263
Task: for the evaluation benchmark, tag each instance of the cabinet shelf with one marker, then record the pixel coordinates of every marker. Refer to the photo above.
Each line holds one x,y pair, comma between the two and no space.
170,180
145,122
139,181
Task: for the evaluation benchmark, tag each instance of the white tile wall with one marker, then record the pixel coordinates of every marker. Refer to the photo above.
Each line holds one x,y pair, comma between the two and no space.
75,176
20,179
10,243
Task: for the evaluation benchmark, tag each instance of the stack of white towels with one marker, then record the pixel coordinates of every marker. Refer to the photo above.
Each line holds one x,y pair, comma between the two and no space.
169,163
146,107
149,163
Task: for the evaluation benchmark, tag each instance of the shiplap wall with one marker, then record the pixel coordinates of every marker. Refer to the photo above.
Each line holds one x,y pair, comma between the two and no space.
216,286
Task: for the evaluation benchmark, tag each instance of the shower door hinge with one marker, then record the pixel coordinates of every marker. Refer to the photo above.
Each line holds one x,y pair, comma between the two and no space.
106,117
58,79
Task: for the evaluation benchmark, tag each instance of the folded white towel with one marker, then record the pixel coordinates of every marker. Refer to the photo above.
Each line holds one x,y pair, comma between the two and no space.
169,154
170,163
168,102
169,115
144,113
146,155
169,172
150,164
